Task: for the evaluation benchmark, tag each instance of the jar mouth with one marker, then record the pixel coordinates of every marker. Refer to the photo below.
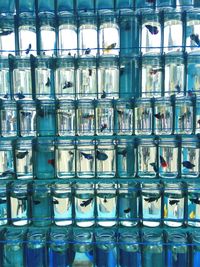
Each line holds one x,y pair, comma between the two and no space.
106,236
153,237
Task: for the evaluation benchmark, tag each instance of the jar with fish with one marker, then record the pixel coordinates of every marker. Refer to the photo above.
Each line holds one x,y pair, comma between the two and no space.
86,78
173,24
8,115
147,165
45,7
27,35
85,158
143,116
151,33
144,5
192,31
67,28
60,253
41,204
177,249
44,158
47,34
104,5
105,155
84,202
7,170
7,35
126,158
106,248
151,204
27,118
104,117
129,252
13,248
153,249
190,157
193,79
87,34
128,204
44,87
183,116
82,249
109,33
36,248
174,75
65,78
65,158
106,204
84,5
168,150
152,75
85,117
163,116
65,117
174,204
62,204
19,204
46,118
5,85
108,77
3,204
24,158
193,204
195,249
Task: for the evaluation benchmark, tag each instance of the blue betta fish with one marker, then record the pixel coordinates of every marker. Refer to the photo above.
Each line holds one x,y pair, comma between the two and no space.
86,156
187,164
101,155
152,29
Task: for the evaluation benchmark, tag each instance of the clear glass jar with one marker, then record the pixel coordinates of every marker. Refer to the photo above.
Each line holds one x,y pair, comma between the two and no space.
151,204
67,28
192,31
84,204
128,204
190,157
104,117
174,75
85,117
27,118
24,159
41,204
8,118
6,159
65,115
3,205
62,204
108,77
193,80
174,204
85,159
147,158
65,78
143,117
27,34
193,207
106,204
163,116
65,158
197,117
7,37
86,78
19,204
152,75
109,34
5,89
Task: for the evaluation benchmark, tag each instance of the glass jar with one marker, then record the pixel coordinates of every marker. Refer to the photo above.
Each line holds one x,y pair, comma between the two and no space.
193,202
84,204
168,150
62,204
5,89
3,205
128,204
104,117
24,159
7,37
6,159
163,116
192,26
65,158
85,117
197,117
106,204
174,204
195,248
8,115
19,204
193,80
108,77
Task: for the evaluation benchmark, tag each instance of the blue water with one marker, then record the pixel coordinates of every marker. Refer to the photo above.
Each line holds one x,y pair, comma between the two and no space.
128,209
46,124
60,258
36,257
129,258
85,4
41,211
150,259
106,257
176,259
13,255
196,258
43,169
82,259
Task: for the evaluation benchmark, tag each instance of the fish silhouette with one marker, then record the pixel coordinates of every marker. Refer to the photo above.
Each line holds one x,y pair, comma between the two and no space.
48,83
67,85
150,1
154,71
173,202
26,113
127,210
20,96
152,29
6,96
178,88
127,26
36,202
101,155
151,199
109,47
120,112
3,201
154,165
163,163
122,152
8,172
103,127
195,201
28,49
55,201
87,51
105,200
86,156
71,153
188,164
51,162
90,72
6,32
198,121
103,94
21,155
85,203
88,116
159,116
195,38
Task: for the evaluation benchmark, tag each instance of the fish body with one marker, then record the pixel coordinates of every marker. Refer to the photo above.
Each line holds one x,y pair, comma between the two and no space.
6,96
85,203
154,71
21,155
90,72
20,96
178,88
151,199
8,172
195,38
86,156
87,51
36,202
173,202
67,85
88,116
51,162
28,49
103,94
195,201
122,152
152,29
127,210
101,155
26,113
187,164
109,47
48,83
103,127
163,162
154,165
159,116
55,201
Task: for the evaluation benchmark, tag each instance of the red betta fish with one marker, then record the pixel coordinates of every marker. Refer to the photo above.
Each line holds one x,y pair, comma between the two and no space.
163,163
51,162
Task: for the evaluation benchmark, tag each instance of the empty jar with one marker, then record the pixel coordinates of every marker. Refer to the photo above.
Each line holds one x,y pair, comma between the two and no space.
7,37
193,204
193,80
8,113
104,117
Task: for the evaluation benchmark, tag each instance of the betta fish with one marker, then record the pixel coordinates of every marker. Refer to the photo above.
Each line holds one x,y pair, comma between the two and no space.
51,162
90,72
20,96
101,155
28,49
36,202
26,113
187,164
48,83
151,199
173,202
195,38
105,200
71,153
6,96
87,51
85,203
86,156
88,116
120,112
103,127
154,165
163,162
195,201
21,155
178,88
154,71
127,210
109,47
198,121
7,173
55,201
152,29
103,94
159,116
67,85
